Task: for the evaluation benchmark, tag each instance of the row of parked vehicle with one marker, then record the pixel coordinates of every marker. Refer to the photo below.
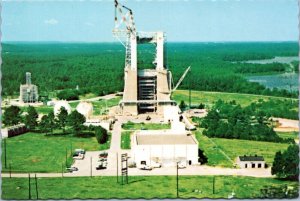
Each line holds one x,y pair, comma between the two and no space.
102,161
77,155
181,165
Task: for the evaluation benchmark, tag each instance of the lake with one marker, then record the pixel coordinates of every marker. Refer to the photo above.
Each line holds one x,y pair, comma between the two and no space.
276,59
288,81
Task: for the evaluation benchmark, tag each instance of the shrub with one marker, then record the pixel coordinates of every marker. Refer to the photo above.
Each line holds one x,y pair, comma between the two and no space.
101,135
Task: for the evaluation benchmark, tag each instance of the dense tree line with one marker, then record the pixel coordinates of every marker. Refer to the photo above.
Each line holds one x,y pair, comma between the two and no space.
74,122
286,164
229,120
99,68
278,108
261,68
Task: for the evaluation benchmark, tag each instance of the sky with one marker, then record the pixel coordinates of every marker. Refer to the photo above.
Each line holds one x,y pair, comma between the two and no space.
181,20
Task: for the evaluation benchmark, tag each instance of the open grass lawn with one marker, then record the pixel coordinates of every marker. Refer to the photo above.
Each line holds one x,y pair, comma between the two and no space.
138,187
233,148
145,126
100,105
125,140
35,152
293,135
44,109
208,98
87,96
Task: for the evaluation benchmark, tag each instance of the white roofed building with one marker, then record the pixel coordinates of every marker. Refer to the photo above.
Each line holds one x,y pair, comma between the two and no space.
164,148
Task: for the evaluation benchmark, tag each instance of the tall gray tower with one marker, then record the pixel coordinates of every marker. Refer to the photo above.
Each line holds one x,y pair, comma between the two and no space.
28,91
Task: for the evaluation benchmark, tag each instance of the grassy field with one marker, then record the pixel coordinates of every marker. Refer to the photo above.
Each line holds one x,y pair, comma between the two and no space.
35,152
208,98
125,140
148,187
293,135
145,126
216,149
100,105
44,109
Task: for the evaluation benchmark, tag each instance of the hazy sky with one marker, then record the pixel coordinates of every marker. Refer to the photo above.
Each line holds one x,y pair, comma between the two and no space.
191,20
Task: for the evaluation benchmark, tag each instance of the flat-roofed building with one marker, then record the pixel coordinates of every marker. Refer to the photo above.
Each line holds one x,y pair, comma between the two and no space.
164,148
251,161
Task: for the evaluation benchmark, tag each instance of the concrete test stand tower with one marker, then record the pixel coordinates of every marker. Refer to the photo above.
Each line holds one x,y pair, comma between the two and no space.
146,90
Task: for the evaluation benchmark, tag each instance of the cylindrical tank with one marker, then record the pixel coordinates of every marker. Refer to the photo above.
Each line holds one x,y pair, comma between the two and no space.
60,104
85,108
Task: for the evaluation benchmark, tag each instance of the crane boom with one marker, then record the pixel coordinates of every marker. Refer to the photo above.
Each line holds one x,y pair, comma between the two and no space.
182,77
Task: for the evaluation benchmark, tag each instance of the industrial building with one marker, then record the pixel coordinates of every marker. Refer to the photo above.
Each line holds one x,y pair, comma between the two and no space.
28,91
164,147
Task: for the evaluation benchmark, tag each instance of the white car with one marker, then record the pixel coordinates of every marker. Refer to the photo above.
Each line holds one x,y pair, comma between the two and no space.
181,165
156,165
78,157
72,169
146,167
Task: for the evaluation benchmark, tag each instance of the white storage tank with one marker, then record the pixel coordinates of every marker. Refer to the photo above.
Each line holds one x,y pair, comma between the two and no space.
59,104
85,108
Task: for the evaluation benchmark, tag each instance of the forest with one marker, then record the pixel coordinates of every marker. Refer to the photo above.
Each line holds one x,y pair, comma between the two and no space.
98,67
230,120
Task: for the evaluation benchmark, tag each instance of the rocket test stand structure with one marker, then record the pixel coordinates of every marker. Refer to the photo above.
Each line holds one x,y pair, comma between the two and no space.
145,90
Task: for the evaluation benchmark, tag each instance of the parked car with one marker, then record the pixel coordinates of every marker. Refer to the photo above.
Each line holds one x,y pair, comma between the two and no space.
181,165
101,166
81,151
103,155
78,156
102,159
155,165
72,169
146,167
148,118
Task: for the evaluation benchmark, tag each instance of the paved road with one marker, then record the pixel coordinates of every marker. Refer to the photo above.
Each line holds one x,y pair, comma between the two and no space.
106,97
191,170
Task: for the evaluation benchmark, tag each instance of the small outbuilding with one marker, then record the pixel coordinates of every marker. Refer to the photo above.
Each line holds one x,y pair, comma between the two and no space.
251,161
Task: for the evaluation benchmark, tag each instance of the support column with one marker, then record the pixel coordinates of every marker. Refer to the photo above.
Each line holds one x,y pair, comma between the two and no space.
160,50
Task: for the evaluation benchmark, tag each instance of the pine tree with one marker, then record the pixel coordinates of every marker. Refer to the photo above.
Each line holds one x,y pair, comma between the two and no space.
62,119
76,120
12,116
31,118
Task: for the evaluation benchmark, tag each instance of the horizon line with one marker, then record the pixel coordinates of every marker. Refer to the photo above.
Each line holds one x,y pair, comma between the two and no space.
237,41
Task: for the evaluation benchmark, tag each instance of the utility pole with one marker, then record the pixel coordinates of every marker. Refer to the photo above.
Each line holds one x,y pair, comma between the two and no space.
5,150
9,170
36,187
91,167
177,179
190,92
29,188
117,168
62,170
66,157
213,184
